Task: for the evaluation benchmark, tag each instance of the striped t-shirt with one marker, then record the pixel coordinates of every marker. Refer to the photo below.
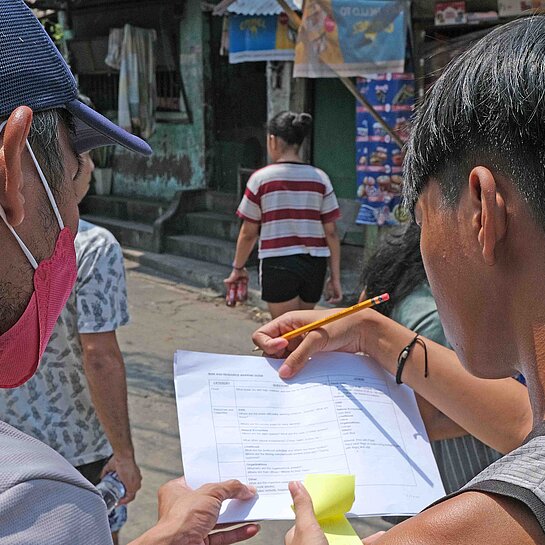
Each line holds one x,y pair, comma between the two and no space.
291,201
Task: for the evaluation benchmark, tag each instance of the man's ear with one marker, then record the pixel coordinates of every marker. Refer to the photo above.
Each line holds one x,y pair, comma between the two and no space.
489,211
11,164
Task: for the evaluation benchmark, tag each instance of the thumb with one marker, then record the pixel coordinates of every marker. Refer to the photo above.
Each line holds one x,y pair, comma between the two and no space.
302,502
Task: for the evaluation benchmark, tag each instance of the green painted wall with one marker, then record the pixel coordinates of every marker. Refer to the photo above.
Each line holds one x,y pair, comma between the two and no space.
178,162
334,148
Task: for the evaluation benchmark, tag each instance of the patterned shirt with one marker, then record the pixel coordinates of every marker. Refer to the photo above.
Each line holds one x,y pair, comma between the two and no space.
291,201
55,405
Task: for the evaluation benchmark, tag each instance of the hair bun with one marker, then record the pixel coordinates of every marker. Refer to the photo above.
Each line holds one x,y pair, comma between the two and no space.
302,120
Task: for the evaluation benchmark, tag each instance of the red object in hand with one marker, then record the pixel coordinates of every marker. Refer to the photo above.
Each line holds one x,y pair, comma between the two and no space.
242,290
231,297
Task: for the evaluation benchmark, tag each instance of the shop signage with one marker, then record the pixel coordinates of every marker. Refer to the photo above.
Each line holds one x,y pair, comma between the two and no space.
255,38
351,38
378,159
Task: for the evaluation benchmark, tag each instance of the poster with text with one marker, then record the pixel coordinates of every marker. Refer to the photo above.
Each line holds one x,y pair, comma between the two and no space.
351,38
379,160
254,38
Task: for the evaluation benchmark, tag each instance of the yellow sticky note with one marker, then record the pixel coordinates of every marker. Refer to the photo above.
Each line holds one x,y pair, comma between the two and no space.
332,497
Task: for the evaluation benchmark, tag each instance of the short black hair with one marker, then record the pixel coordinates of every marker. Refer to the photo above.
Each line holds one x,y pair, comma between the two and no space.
487,108
292,127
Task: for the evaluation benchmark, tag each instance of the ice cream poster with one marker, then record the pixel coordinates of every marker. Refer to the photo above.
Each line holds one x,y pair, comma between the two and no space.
380,160
351,38
255,38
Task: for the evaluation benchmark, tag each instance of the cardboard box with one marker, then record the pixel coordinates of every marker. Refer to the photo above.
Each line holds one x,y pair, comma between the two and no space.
450,13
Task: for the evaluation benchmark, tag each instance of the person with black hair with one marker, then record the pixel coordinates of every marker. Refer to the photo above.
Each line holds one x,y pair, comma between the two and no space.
397,268
291,207
474,181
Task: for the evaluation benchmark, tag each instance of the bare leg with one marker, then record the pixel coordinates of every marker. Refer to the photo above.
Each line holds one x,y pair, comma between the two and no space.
277,309
306,306
115,538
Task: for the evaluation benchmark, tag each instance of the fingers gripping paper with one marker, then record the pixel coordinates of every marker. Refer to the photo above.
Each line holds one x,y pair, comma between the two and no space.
332,497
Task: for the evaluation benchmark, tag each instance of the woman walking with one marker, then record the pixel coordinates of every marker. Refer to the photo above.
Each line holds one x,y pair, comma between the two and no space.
291,208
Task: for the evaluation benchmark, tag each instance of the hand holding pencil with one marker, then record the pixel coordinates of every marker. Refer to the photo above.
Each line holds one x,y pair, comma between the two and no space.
273,337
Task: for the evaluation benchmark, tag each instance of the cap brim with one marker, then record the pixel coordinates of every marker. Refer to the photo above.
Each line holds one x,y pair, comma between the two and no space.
93,130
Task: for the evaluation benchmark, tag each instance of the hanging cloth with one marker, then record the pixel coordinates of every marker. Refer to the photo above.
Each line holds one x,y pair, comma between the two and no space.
115,44
137,81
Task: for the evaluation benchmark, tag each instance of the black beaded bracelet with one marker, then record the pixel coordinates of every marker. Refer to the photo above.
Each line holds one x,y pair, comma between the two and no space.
404,354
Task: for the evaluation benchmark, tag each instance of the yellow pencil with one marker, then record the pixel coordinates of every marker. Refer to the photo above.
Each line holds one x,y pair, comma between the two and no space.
337,316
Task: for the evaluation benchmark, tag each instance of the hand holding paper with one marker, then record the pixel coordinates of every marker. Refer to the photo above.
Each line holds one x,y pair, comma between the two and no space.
320,508
333,497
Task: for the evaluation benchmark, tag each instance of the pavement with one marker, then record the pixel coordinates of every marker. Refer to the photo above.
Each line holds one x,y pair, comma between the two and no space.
167,315
193,272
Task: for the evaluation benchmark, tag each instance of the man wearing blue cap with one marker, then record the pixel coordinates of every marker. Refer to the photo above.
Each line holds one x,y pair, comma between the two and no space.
43,130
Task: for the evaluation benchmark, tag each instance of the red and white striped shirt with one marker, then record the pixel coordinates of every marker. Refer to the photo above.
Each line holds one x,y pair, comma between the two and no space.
291,201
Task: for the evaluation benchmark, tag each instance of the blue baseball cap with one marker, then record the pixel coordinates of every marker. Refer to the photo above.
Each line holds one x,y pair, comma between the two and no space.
34,74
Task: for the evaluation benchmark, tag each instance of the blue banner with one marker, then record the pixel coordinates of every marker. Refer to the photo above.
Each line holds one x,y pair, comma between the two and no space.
255,38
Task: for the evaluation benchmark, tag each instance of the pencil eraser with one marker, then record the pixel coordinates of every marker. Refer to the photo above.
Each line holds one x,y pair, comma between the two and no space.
384,297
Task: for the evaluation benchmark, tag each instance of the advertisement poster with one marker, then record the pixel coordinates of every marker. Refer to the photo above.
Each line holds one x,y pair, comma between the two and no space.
379,159
260,38
351,38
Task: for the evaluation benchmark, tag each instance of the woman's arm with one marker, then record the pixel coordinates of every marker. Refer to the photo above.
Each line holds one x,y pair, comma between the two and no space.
495,411
247,237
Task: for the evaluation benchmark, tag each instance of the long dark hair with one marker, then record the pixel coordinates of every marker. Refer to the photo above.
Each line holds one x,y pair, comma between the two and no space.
395,268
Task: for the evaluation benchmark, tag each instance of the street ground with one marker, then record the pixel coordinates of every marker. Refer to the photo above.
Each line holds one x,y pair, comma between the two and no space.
166,316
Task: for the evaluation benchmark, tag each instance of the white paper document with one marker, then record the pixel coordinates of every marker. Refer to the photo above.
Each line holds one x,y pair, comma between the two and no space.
341,414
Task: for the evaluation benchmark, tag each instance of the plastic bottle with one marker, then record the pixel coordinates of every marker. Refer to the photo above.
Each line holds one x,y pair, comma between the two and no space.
231,297
112,490
242,290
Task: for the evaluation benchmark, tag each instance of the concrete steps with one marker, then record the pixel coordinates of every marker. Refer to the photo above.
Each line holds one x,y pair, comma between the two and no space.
214,224
202,248
123,208
226,203
129,233
205,235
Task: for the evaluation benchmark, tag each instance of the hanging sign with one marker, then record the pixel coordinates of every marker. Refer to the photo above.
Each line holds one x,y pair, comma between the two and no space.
255,38
351,38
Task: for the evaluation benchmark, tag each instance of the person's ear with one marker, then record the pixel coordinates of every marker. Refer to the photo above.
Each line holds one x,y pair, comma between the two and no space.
11,164
489,218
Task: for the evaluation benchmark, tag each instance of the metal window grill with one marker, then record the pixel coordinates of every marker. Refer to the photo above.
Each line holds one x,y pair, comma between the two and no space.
102,89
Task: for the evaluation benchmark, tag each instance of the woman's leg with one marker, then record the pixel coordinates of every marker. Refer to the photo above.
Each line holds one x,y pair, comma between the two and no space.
277,309
307,306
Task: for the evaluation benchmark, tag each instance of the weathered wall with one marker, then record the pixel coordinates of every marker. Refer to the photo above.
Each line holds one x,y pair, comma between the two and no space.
179,149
